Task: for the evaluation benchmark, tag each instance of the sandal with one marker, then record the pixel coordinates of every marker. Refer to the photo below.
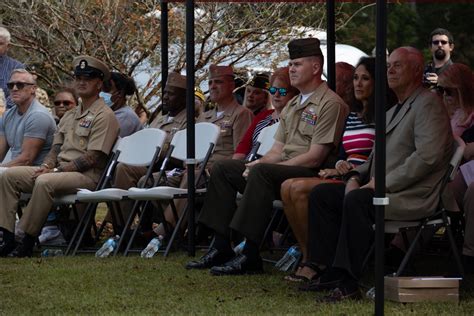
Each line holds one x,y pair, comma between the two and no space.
301,278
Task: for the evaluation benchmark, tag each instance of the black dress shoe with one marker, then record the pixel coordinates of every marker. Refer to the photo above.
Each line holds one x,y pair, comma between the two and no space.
240,264
6,248
21,251
26,248
212,258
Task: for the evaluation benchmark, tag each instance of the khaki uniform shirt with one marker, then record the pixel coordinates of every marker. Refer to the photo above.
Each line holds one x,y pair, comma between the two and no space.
94,129
170,126
233,123
319,120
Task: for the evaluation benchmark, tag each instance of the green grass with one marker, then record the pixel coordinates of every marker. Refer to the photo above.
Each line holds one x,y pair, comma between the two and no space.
132,285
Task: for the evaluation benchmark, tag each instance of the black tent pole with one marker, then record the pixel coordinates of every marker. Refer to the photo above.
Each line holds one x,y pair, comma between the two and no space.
164,44
331,44
190,121
380,200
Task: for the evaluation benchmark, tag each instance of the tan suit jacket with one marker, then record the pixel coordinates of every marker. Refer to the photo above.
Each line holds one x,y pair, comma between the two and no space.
419,145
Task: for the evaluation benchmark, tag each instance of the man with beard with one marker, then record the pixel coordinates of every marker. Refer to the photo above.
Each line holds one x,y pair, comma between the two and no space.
441,46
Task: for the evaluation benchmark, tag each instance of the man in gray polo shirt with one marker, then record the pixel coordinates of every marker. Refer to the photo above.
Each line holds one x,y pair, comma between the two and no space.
27,128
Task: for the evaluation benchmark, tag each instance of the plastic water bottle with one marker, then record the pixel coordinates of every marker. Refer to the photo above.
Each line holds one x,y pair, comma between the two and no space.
108,247
52,253
290,260
239,248
152,247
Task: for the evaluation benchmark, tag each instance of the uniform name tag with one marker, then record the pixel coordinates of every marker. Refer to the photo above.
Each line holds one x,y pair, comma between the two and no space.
309,116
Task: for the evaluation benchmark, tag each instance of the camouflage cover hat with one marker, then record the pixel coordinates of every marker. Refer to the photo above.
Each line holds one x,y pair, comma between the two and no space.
304,47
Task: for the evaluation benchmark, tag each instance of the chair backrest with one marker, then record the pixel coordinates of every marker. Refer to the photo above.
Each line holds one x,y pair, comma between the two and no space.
206,135
266,138
139,148
456,158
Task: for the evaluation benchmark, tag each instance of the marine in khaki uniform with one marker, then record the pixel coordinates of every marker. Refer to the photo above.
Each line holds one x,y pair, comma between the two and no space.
174,103
229,115
81,146
232,118
309,133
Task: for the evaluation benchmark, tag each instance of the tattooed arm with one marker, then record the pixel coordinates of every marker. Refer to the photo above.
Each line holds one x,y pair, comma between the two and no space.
90,159
51,159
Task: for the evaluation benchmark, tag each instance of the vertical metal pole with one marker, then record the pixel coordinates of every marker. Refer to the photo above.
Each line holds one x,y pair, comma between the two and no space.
164,45
331,44
190,120
380,100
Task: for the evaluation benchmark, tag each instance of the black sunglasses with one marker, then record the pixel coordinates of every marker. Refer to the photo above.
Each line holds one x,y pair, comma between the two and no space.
282,91
438,41
65,102
19,85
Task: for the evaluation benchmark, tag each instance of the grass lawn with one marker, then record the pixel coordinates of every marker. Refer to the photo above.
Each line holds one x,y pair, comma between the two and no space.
132,285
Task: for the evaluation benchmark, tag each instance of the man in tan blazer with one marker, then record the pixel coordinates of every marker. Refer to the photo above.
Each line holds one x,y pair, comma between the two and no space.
419,146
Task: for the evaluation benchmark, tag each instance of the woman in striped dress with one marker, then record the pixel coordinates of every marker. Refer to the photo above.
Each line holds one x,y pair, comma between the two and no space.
357,142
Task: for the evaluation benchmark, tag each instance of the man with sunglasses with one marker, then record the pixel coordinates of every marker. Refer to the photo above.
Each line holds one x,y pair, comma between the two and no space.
81,145
27,128
441,46
307,139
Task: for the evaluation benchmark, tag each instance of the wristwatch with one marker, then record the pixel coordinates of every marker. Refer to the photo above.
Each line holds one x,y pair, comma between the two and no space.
56,170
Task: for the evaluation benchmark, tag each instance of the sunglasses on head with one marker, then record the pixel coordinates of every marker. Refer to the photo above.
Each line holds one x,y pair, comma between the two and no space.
19,85
282,91
65,102
438,41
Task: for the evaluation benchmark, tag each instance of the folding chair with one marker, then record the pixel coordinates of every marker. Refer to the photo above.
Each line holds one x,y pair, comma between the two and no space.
206,138
139,149
439,219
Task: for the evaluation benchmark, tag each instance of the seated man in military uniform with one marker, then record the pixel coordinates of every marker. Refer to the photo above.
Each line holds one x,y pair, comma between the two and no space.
81,145
306,140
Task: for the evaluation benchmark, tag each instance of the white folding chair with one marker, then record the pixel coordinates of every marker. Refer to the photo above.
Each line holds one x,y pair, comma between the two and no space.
206,135
139,149
265,141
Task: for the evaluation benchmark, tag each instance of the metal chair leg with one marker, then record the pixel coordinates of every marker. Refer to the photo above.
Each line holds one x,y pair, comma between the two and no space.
175,232
409,251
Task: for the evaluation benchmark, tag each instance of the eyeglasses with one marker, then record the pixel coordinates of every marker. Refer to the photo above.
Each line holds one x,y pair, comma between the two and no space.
436,42
18,85
449,92
65,102
282,91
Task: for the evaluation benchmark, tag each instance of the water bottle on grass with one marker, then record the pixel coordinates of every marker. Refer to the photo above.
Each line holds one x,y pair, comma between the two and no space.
108,247
152,247
52,253
290,260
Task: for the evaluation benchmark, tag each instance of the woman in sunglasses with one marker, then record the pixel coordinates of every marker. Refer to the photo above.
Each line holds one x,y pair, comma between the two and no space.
115,95
456,86
281,92
357,142
65,100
